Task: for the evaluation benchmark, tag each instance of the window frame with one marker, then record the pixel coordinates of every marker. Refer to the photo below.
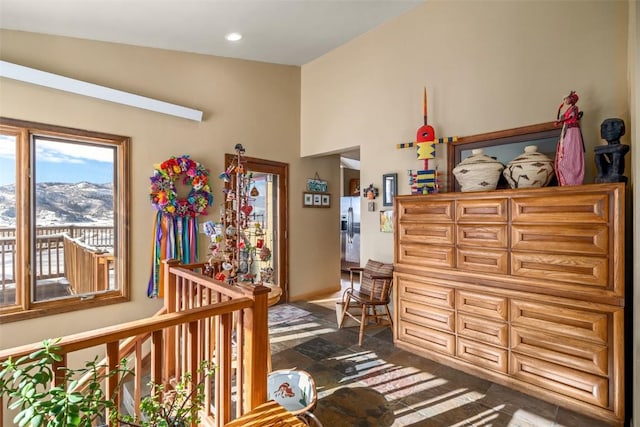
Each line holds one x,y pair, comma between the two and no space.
24,308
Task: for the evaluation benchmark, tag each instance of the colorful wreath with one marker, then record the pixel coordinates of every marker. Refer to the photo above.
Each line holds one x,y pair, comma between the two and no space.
164,196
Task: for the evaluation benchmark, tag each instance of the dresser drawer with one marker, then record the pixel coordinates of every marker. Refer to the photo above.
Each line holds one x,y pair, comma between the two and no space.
428,316
483,260
426,338
482,330
569,382
590,272
569,352
482,210
421,211
431,233
483,305
486,236
415,291
482,355
577,209
569,238
561,321
426,255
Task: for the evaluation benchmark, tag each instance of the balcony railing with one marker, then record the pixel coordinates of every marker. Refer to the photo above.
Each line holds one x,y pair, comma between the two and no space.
202,319
49,255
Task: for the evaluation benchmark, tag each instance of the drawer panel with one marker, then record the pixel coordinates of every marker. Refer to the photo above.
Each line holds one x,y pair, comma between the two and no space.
427,255
591,272
488,306
482,330
561,321
427,338
482,355
428,316
439,296
576,209
569,382
561,238
569,352
486,236
431,233
484,210
421,211
484,260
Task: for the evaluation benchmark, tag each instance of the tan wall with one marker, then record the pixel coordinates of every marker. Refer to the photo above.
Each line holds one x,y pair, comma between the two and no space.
634,101
252,103
486,65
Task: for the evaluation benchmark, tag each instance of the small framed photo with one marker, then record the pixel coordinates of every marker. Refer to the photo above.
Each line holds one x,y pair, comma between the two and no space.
307,199
326,200
389,188
317,200
386,221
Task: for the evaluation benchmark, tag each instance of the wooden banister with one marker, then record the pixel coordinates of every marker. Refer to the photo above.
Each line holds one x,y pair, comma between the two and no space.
202,319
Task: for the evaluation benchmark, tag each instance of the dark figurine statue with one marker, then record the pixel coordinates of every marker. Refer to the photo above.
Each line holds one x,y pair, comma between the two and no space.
610,158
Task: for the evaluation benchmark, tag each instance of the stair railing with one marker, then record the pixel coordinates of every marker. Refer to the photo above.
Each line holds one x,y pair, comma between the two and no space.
204,319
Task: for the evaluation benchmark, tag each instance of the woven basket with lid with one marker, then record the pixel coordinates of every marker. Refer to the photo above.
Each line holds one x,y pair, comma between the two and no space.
478,172
530,169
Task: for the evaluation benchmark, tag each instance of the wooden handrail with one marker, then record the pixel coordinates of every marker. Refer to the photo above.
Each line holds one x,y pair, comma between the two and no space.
203,319
84,340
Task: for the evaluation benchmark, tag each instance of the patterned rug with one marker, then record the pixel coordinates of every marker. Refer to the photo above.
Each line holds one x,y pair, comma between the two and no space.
354,407
285,313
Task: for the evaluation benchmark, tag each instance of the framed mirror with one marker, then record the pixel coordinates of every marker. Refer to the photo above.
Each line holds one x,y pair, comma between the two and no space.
504,146
389,188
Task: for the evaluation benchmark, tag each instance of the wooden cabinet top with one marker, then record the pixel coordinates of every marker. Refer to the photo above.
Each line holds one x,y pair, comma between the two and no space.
552,240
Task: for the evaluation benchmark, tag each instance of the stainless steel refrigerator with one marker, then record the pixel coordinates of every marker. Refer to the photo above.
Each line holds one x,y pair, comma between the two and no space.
349,232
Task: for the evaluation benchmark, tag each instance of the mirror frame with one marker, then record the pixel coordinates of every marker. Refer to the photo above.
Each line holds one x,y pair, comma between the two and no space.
502,137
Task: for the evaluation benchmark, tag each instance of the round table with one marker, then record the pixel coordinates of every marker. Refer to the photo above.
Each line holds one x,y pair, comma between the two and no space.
274,295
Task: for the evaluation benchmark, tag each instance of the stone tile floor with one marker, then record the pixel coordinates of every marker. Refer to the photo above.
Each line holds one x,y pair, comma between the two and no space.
414,391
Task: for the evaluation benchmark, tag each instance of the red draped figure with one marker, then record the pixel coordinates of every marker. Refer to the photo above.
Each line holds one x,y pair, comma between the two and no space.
569,160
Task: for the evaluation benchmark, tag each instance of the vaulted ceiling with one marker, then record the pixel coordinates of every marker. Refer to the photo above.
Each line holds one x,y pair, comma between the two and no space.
291,32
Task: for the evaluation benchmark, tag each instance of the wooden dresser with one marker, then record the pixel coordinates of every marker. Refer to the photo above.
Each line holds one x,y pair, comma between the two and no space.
522,287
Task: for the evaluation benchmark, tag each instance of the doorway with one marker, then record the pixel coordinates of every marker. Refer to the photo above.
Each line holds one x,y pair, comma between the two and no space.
271,212
350,210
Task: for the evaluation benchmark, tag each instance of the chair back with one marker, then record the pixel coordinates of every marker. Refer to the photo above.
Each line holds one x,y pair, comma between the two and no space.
376,269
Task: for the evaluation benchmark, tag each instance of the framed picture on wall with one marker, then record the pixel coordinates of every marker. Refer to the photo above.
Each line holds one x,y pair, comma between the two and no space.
354,187
386,221
389,188
307,199
316,200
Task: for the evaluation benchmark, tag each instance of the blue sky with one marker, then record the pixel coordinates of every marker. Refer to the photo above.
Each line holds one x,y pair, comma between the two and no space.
60,162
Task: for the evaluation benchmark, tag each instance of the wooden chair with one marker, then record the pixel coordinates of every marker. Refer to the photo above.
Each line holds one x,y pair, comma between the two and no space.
376,281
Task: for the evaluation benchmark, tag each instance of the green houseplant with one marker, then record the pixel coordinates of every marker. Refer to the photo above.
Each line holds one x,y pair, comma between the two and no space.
27,383
175,407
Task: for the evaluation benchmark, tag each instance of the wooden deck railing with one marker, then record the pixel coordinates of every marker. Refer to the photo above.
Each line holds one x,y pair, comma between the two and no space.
86,268
49,258
203,319
49,261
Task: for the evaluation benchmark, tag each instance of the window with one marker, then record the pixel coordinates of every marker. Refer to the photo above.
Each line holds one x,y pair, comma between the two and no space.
64,203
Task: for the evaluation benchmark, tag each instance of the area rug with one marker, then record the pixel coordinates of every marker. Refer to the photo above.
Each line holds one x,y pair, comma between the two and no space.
354,407
284,313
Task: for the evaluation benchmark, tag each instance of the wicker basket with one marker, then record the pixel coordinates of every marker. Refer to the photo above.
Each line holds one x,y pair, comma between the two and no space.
530,169
478,172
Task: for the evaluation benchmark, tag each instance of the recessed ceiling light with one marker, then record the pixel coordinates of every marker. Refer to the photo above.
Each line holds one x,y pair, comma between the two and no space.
233,37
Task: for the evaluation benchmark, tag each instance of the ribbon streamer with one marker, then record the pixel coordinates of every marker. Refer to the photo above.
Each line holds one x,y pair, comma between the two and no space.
174,238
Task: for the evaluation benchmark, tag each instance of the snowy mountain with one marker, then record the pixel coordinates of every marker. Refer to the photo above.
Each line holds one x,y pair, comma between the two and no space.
63,203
